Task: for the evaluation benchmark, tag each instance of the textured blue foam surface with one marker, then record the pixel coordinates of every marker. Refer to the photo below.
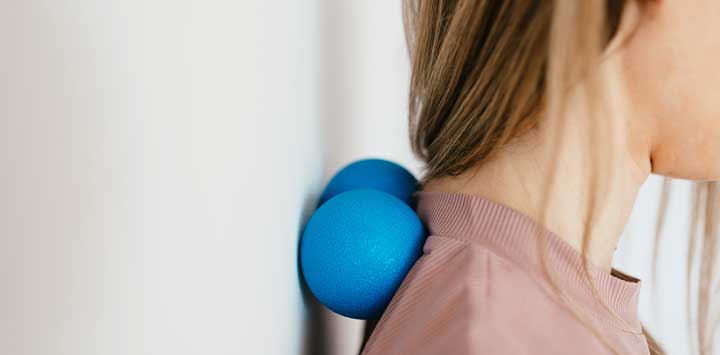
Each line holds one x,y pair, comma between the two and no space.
377,174
356,250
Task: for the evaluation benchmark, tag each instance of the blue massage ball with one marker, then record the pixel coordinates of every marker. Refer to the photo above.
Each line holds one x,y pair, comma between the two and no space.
356,250
377,174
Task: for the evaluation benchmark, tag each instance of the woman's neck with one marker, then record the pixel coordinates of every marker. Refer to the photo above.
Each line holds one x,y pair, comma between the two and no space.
518,174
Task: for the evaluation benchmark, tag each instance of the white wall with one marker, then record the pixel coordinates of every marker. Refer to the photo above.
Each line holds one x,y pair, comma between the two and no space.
365,80
662,304
158,159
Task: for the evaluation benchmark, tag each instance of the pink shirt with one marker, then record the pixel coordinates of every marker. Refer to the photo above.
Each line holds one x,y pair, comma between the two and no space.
479,289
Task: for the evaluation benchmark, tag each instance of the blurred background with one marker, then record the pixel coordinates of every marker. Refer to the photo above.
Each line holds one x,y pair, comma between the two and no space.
160,158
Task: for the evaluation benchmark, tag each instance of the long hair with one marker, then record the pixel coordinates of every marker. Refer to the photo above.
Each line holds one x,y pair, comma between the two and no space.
482,70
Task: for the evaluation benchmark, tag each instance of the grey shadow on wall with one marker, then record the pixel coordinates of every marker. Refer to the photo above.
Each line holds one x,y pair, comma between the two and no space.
315,327
326,333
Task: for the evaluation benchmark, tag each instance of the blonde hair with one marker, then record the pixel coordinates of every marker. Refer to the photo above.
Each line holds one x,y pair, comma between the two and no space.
482,70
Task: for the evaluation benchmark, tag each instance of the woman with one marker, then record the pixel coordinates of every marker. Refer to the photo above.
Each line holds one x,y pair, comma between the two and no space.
538,121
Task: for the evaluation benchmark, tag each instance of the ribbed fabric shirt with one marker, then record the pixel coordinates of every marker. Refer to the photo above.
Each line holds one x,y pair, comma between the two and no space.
479,288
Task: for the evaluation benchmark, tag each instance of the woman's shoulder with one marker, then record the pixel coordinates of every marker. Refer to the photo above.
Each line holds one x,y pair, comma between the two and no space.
461,299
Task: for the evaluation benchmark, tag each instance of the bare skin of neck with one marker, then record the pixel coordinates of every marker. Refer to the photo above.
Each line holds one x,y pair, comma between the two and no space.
610,157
